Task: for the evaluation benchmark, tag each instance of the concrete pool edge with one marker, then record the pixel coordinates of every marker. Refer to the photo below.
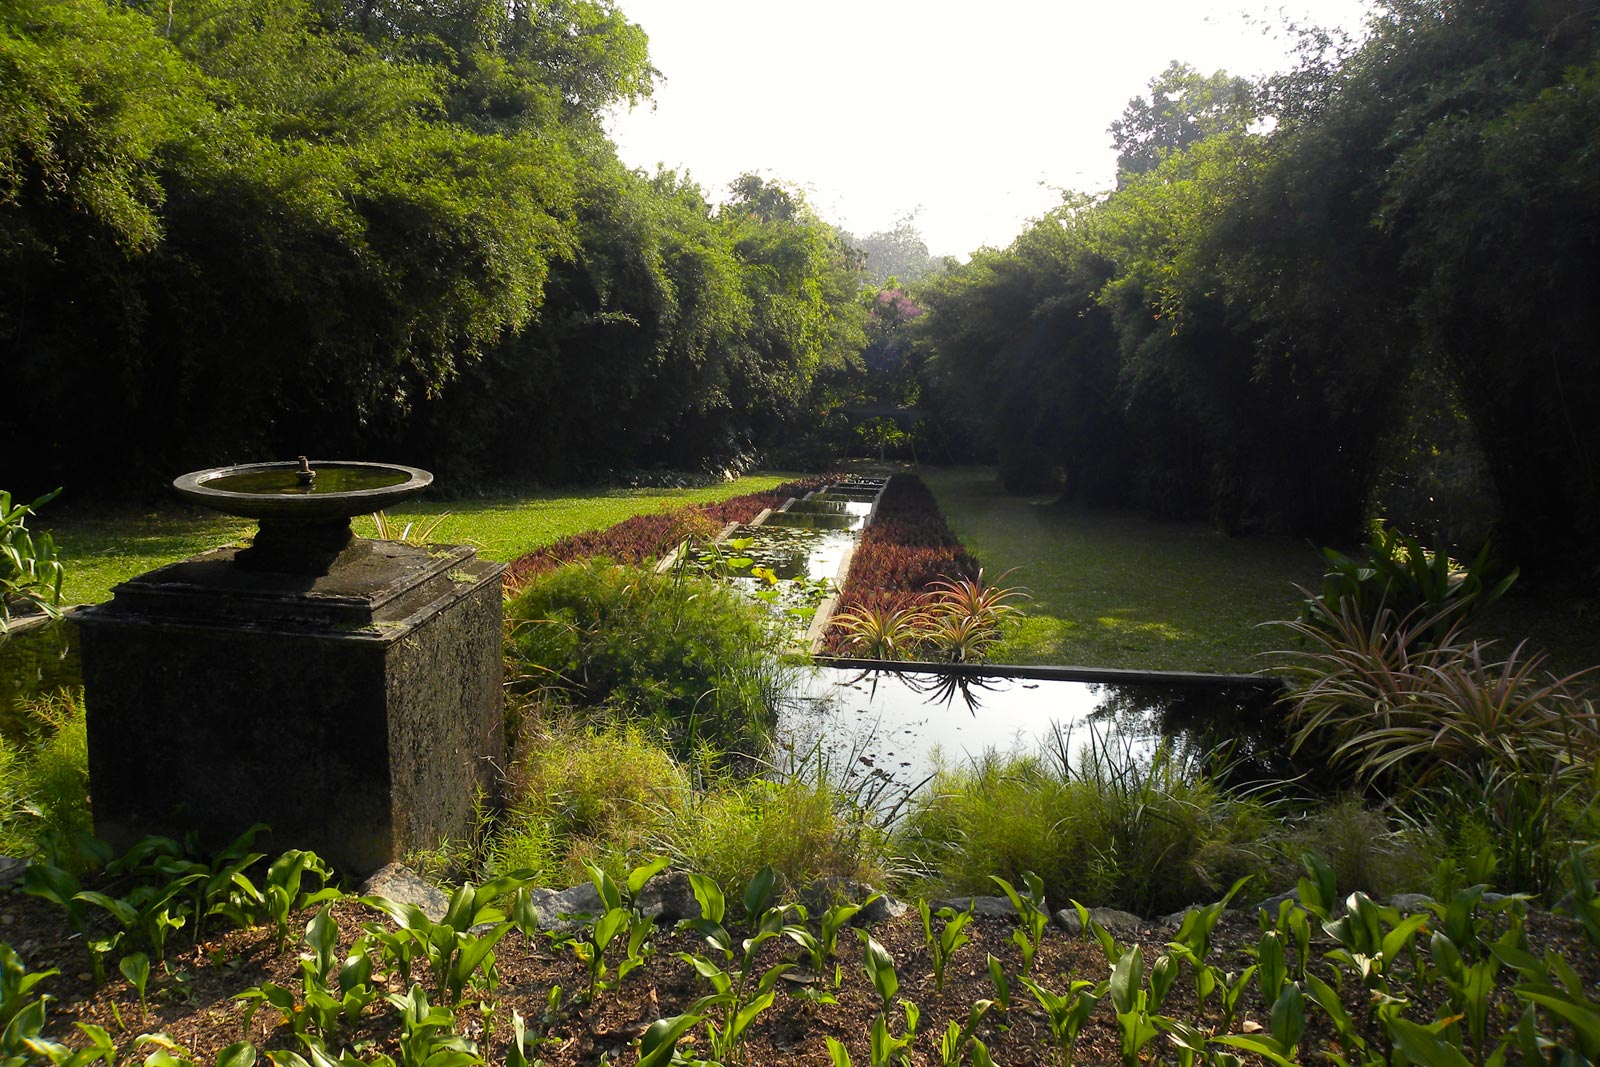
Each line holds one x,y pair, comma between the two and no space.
1107,675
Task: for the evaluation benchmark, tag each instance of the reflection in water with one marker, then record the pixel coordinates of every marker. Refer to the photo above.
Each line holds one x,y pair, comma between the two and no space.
34,664
906,724
947,689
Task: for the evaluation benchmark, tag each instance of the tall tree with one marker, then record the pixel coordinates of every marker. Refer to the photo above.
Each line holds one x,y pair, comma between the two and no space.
1184,106
899,253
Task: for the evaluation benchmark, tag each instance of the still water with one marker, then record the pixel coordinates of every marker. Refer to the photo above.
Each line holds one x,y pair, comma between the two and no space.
898,727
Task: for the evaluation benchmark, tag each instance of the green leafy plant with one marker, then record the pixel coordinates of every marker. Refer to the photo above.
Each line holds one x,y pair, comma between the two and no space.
1067,1012
1584,900
322,1007
16,984
743,994
1192,943
958,1037
285,891
658,1045
1371,939
880,969
1000,982
886,1049
1397,573
30,571
1130,999
135,967
618,916
952,934
427,1033
453,952
1287,1024
1033,915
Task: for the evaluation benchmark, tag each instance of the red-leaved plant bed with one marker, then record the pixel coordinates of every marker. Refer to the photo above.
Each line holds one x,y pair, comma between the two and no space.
642,538
906,549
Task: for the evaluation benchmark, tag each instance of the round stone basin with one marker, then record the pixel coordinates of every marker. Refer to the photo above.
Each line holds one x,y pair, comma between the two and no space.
304,508
276,492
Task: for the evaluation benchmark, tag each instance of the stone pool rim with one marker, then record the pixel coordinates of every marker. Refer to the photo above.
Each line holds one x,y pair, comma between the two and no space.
1047,672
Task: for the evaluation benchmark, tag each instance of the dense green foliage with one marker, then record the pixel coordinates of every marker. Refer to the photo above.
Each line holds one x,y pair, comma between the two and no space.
1249,323
238,230
44,776
692,658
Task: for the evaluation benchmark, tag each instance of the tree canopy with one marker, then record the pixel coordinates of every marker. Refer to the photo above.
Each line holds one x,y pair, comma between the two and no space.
1243,327
237,230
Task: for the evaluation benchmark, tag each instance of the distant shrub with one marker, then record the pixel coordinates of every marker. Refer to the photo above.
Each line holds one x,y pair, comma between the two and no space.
693,659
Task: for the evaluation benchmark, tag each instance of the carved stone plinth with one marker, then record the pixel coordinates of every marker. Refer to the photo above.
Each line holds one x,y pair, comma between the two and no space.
357,712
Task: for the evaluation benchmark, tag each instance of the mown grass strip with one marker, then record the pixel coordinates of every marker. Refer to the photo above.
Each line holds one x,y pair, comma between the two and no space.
106,545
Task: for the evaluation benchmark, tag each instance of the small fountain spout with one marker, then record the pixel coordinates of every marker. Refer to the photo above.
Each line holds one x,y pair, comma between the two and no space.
305,475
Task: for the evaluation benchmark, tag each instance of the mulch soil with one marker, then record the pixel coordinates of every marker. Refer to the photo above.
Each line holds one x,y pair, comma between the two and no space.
191,998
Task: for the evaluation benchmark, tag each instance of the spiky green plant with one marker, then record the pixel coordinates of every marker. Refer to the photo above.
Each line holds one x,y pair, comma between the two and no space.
1444,725
882,631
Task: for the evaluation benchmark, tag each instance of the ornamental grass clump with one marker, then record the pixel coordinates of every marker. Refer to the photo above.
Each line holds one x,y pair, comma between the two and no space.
1147,833
44,780
581,796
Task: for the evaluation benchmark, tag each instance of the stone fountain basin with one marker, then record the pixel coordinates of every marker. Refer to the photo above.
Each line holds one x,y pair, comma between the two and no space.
272,492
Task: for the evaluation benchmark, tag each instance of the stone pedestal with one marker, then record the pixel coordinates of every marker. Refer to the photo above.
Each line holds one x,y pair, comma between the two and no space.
358,713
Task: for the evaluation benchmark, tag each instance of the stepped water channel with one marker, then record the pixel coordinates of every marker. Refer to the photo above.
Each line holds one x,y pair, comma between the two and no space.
890,724
886,727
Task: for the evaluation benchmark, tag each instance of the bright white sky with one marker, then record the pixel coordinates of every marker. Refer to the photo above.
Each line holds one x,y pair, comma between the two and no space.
975,115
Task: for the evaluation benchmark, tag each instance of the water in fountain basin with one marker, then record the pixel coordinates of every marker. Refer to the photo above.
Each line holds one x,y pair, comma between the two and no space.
287,481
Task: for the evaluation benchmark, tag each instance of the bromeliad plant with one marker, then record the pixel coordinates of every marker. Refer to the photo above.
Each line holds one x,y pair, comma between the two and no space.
1452,730
881,630
966,616
955,620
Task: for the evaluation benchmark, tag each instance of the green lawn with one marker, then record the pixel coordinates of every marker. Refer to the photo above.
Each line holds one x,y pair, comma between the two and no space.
102,547
1114,589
